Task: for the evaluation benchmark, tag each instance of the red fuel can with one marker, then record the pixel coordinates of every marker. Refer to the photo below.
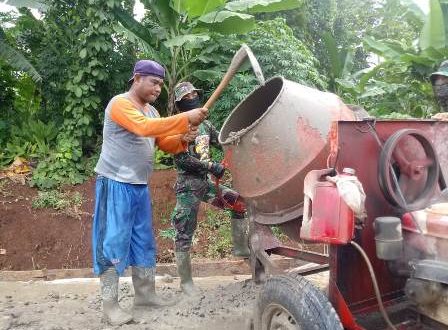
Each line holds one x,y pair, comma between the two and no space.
327,218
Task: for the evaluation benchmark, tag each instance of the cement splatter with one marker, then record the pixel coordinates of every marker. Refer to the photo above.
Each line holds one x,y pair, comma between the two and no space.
46,306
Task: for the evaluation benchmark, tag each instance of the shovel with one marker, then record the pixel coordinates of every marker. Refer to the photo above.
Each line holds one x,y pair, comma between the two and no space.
237,60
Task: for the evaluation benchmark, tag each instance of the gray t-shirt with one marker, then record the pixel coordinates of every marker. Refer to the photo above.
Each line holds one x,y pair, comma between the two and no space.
125,156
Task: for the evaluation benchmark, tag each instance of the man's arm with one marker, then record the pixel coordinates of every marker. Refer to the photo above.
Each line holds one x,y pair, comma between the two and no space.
173,144
124,113
190,164
443,116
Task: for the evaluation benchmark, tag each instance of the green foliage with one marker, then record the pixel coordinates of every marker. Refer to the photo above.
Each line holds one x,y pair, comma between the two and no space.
18,98
7,86
216,154
397,20
83,63
239,88
32,139
36,131
12,150
169,233
15,58
400,83
84,72
220,244
395,115
84,58
184,30
57,200
68,203
288,57
434,33
340,61
279,234
162,160
64,165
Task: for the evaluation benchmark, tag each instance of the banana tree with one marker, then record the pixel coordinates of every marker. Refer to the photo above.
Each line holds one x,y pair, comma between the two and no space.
11,55
340,61
400,81
15,58
179,32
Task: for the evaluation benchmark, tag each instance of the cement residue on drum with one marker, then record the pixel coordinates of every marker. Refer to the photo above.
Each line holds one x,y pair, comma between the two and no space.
235,137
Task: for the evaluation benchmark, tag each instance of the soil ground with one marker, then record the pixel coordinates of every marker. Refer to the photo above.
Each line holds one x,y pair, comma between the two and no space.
45,238
225,302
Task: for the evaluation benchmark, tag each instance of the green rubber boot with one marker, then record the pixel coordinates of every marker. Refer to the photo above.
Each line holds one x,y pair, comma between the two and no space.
183,262
112,313
143,280
240,237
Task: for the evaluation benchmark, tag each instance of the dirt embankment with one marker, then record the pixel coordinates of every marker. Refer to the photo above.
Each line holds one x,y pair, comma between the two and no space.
45,238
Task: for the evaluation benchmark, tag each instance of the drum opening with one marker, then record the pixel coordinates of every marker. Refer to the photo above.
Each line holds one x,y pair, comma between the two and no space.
250,110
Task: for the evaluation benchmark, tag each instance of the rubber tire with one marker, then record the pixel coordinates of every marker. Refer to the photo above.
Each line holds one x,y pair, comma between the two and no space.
303,301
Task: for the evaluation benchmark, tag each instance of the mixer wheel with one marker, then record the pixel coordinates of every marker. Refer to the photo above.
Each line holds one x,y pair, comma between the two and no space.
288,302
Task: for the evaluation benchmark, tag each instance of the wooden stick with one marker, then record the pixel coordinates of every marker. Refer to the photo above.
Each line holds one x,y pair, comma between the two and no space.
237,60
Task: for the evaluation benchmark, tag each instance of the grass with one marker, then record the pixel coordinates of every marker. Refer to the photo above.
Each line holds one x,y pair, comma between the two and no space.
213,233
217,229
3,189
68,203
279,234
169,233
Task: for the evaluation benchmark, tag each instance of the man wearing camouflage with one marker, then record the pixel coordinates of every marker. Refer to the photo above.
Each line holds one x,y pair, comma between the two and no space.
439,82
193,186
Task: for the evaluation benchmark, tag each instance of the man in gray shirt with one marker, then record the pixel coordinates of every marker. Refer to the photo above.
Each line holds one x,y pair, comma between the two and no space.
122,232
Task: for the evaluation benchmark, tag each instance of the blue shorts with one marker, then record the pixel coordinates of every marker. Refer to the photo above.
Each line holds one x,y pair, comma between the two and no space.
122,233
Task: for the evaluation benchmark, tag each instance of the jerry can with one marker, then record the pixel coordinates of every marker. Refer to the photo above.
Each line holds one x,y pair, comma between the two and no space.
326,216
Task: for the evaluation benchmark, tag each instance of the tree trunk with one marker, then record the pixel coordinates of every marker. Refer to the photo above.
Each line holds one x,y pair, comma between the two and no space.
171,109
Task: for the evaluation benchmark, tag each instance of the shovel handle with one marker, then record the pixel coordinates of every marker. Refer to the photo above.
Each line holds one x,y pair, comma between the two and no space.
237,61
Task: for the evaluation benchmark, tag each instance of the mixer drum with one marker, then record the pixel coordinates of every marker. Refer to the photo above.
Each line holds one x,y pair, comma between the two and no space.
272,139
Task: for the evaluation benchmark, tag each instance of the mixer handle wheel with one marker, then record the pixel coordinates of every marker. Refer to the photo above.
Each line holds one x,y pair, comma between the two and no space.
405,182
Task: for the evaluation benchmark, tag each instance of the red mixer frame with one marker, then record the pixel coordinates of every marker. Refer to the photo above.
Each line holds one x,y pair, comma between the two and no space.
360,145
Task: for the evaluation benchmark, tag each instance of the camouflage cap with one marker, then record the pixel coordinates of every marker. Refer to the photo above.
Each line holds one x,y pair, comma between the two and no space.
442,71
183,89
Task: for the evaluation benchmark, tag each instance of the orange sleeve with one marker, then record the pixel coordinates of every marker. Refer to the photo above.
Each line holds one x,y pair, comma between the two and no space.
124,113
172,144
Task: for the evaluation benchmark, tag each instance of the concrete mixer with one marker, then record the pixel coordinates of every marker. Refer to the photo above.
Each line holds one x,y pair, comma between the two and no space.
289,149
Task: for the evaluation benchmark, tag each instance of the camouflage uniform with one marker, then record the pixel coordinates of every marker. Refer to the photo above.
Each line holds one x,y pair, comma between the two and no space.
193,186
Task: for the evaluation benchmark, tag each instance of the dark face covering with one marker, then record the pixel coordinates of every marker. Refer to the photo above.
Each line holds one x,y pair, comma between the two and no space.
441,92
188,104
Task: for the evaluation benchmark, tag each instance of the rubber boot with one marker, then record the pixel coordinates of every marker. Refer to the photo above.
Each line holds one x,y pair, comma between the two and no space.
240,237
143,280
183,262
112,313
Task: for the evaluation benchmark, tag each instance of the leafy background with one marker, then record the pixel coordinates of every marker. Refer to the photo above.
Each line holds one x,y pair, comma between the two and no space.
58,72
